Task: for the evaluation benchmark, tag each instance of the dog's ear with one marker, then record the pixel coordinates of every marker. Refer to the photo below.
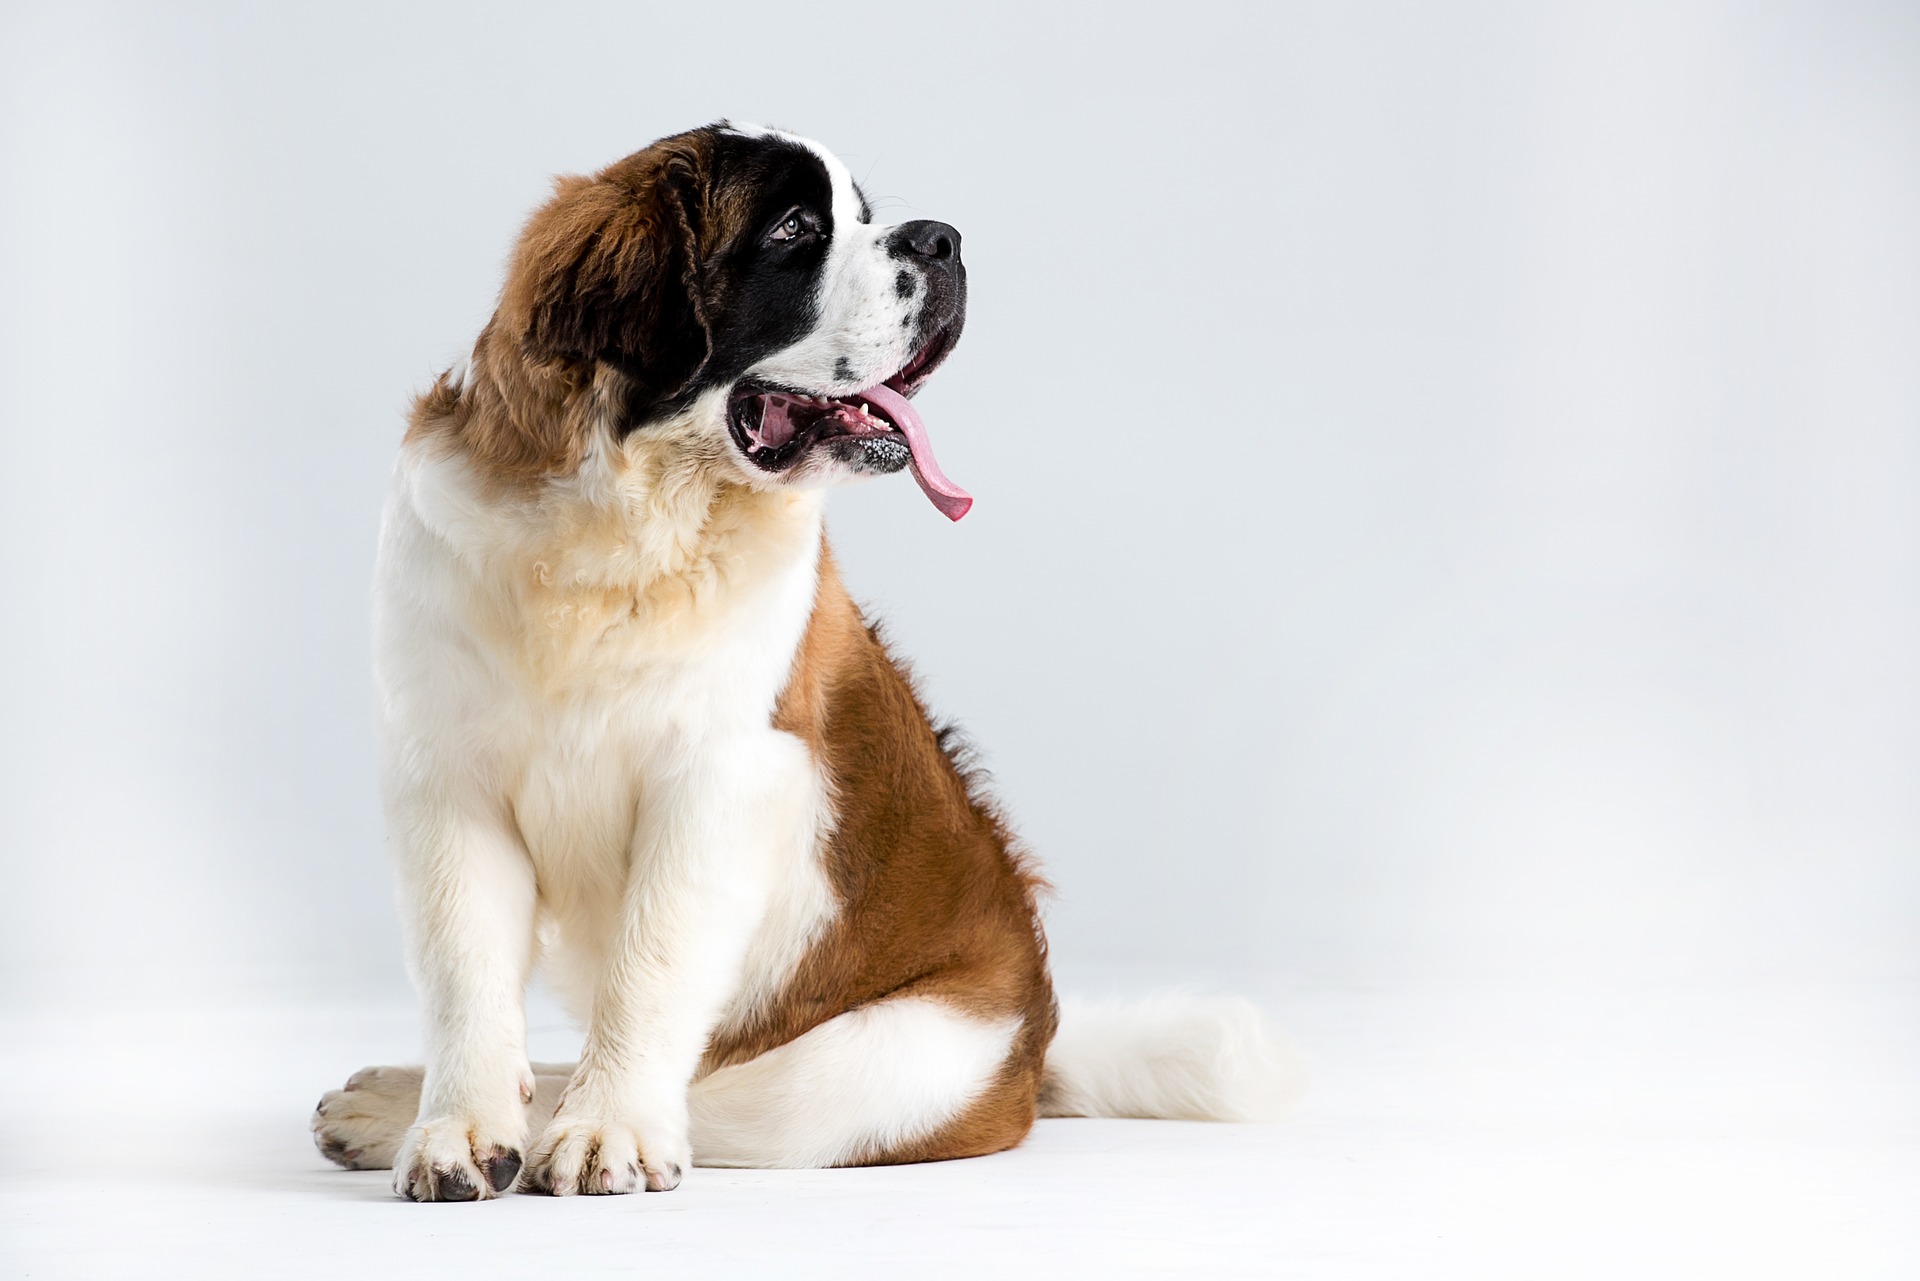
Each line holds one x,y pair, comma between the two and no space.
608,271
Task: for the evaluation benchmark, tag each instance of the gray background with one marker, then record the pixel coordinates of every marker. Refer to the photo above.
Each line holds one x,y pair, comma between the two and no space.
1446,477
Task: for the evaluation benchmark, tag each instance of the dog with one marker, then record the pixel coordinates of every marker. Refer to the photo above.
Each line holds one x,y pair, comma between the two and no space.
634,730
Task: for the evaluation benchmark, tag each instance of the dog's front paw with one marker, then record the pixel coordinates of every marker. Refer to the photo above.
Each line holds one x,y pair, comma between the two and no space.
453,1159
597,1157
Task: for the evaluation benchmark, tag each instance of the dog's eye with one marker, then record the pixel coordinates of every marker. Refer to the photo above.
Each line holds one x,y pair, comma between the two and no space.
790,228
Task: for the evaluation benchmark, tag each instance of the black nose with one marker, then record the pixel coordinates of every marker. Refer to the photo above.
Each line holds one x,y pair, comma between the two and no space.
929,239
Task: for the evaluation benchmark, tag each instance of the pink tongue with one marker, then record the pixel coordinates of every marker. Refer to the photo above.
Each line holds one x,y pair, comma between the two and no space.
952,500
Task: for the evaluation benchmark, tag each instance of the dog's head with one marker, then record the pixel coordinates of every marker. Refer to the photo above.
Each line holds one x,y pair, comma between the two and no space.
732,278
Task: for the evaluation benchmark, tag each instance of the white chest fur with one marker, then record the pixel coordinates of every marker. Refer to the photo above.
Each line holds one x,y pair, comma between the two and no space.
577,660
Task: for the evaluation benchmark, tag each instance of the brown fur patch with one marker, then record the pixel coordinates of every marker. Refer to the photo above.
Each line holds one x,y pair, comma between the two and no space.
602,313
936,899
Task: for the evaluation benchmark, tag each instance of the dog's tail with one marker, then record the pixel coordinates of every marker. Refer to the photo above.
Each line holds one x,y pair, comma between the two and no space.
1172,1055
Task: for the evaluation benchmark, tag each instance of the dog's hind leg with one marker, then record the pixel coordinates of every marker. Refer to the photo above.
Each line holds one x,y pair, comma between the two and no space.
910,1078
360,1125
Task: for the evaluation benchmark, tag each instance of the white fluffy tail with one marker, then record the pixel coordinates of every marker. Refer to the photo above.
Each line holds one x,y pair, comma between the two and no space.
1171,1055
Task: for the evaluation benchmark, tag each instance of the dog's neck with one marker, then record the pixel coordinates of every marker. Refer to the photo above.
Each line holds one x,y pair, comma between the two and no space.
655,526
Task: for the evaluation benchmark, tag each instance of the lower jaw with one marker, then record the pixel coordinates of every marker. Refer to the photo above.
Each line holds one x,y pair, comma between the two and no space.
882,455
863,455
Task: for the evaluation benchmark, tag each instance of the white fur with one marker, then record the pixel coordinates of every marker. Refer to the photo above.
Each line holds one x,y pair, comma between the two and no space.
542,730
864,1082
1170,1055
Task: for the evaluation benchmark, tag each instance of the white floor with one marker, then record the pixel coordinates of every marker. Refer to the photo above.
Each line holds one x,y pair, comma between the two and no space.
1448,1133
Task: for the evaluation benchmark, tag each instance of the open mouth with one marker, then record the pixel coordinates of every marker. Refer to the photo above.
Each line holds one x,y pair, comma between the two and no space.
777,426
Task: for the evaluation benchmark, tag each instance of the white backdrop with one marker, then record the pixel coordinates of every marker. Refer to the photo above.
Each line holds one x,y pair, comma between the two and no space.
1446,476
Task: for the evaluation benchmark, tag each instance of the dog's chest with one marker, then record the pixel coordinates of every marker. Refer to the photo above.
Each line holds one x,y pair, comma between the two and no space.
622,702
550,667
645,737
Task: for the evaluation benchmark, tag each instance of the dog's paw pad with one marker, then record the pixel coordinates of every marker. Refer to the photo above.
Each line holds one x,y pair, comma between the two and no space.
502,1167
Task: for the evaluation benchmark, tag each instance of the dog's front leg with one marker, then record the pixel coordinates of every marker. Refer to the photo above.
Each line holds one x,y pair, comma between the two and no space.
467,899
696,888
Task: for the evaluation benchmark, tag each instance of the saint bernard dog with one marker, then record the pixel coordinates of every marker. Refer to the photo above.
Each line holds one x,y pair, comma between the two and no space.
635,731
